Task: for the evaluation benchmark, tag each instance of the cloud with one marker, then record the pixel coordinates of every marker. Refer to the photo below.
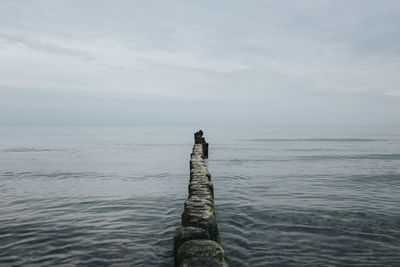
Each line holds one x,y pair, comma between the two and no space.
256,54
393,93
45,47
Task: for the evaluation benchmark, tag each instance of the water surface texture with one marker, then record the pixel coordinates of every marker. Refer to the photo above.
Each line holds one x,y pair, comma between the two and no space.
113,196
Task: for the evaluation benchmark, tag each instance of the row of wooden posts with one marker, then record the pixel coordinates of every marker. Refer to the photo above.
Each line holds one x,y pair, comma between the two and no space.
197,241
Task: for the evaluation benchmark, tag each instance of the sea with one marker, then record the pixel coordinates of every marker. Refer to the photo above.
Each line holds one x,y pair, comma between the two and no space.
113,196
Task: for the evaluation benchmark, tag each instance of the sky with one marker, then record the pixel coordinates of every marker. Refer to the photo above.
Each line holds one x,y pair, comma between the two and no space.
240,63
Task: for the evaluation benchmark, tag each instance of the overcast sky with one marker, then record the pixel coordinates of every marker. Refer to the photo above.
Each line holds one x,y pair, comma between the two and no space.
310,62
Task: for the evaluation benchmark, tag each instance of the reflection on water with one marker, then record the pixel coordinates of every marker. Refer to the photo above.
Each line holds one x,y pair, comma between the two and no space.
102,196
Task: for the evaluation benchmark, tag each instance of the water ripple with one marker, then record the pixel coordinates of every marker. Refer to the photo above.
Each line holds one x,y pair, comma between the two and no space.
106,198
92,232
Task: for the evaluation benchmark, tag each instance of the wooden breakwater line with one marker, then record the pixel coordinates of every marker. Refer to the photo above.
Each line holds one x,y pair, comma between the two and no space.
197,242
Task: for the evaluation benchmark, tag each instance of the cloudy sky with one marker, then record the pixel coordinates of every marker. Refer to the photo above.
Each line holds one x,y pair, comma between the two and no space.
262,63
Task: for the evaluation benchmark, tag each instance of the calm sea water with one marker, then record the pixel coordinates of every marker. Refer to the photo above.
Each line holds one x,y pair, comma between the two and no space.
113,196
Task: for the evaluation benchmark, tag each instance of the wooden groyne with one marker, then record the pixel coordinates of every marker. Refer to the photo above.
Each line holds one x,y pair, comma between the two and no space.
197,242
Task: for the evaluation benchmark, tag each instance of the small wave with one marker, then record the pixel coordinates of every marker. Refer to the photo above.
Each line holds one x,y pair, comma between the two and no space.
30,149
347,157
315,140
154,145
54,175
393,179
243,161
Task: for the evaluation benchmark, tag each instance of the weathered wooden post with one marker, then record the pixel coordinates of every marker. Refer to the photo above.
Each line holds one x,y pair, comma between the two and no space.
199,139
197,242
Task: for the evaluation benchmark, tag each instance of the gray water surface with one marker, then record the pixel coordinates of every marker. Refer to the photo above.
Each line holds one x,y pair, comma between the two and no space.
113,196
